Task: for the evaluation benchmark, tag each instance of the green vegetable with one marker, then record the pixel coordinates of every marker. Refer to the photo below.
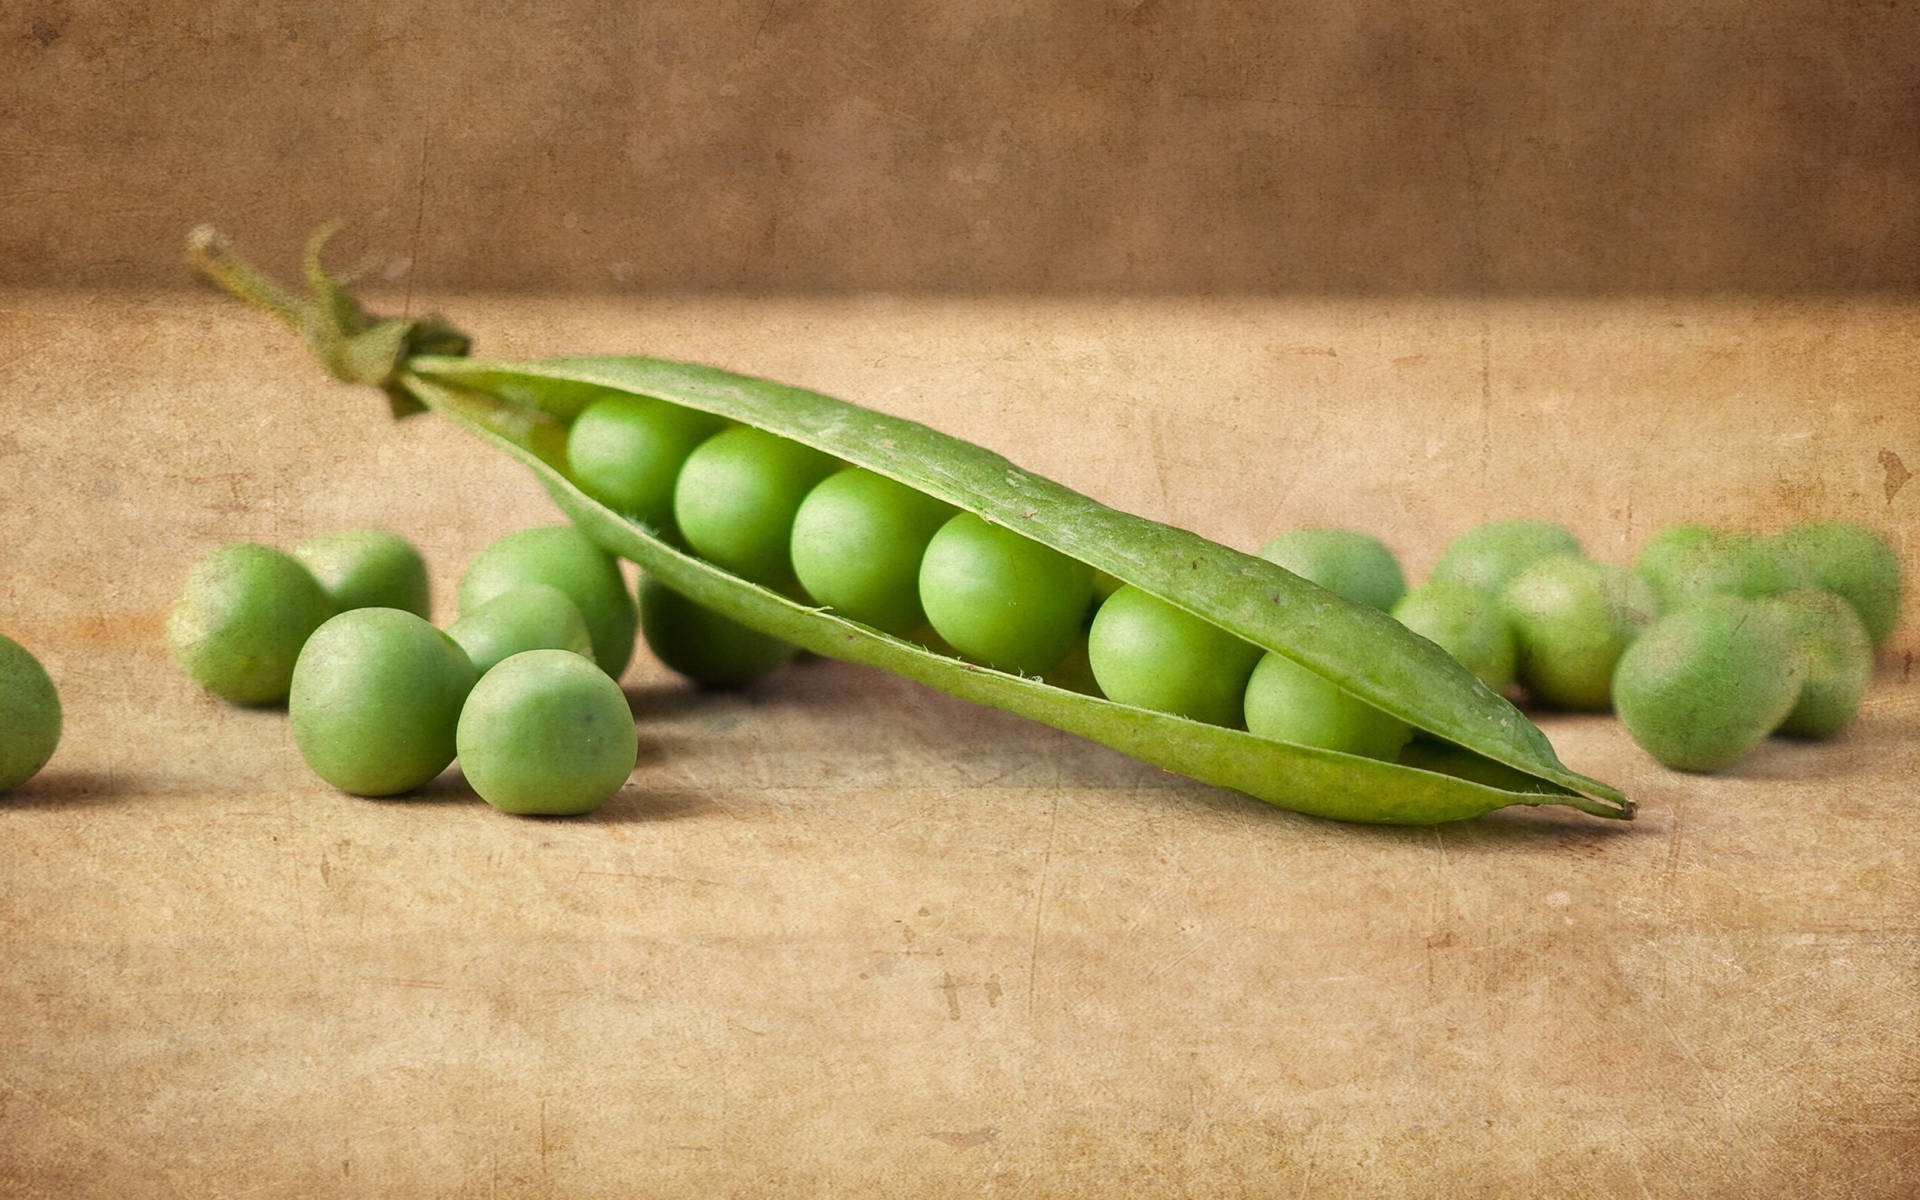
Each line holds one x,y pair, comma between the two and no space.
626,451
534,616
546,733
1572,619
241,619
29,715
523,409
1466,623
712,650
1737,564
1355,565
857,543
1850,560
1001,598
1836,659
1287,702
1707,682
736,498
368,568
1488,556
375,699
566,558
1145,652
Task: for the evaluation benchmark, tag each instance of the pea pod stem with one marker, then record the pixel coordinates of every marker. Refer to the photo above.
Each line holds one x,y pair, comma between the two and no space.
1497,757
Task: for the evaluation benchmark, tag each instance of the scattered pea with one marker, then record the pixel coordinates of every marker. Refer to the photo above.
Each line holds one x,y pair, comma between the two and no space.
1287,702
568,559
1852,561
1001,598
1348,563
1836,658
1145,652
240,621
535,616
858,538
29,715
736,498
1572,618
626,451
546,733
375,700
1489,555
711,650
368,568
1466,623
1707,682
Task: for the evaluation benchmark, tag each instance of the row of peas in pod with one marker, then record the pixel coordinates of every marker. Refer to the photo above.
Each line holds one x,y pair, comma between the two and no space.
520,688
1708,643
875,551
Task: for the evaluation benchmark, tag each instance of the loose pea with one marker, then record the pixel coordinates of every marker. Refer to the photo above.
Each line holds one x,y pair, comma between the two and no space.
240,621
858,539
546,733
1736,564
536,616
626,451
1572,618
711,650
1287,702
1001,598
1464,622
564,557
1836,658
1147,653
368,568
1850,560
1488,556
736,498
1346,562
29,715
1707,682
375,700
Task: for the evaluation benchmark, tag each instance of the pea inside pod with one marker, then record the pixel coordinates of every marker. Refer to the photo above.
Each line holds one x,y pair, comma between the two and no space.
1362,651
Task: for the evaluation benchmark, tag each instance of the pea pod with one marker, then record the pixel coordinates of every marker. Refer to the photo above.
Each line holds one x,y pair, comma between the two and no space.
1480,753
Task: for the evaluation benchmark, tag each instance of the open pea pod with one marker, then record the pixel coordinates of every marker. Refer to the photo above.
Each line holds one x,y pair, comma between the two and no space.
1488,754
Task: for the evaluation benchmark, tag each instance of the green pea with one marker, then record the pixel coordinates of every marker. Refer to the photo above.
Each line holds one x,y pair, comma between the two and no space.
241,619
376,696
1572,619
564,557
1691,563
858,539
1288,703
1836,658
1707,682
736,498
1852,561
546,733
368,568
1001,598
1466,623
711,650
1348,563
29,715
627,451
1145,652
1488,556
535,616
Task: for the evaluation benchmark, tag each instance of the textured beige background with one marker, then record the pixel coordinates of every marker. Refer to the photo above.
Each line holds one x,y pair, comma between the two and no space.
843,936
978,144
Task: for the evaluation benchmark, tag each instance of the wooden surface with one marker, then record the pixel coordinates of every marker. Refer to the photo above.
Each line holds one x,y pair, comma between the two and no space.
844,936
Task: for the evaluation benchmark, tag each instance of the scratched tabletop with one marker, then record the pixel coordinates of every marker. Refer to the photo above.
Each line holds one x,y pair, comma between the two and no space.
841,935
